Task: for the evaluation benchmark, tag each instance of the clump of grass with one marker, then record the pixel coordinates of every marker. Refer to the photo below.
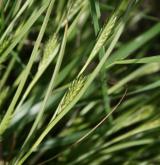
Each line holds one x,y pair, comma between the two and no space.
78,58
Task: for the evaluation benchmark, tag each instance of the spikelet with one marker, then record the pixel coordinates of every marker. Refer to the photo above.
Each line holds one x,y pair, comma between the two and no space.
104,35
73,7
73,90
48,51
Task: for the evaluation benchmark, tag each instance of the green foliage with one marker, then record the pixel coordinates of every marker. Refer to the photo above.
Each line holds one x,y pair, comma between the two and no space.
66,67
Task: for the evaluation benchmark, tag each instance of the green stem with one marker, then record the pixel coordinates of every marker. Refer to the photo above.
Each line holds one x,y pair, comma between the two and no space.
95,11
6,120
